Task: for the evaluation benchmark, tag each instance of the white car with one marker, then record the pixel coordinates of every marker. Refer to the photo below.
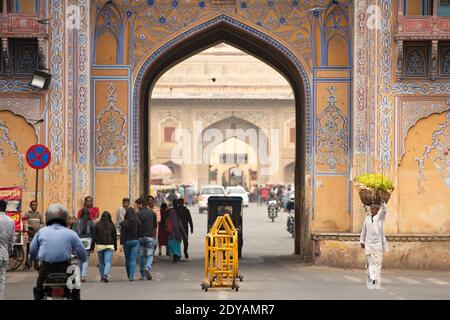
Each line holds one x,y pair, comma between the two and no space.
238,191
206,192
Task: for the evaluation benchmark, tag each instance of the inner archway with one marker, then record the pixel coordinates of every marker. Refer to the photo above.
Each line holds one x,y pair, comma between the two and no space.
225,29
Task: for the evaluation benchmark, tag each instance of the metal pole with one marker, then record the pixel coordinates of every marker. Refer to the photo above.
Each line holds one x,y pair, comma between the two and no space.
35,194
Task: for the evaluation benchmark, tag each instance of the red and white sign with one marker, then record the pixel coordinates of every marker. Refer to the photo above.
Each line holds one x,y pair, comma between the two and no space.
13,198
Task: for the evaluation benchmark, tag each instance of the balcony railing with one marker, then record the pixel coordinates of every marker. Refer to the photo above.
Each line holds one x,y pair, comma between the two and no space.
21,25
423,28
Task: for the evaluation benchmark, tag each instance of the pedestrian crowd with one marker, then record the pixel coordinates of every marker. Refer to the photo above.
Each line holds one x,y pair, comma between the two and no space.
137,231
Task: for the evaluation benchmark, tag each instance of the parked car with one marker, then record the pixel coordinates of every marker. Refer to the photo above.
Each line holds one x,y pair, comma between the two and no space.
206,192
238,191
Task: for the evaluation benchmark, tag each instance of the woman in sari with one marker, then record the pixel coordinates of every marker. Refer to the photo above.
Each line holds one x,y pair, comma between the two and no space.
175,233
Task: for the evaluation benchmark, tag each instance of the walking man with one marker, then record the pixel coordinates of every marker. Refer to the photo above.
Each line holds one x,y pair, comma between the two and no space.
147,237
7,237
186,220
374,243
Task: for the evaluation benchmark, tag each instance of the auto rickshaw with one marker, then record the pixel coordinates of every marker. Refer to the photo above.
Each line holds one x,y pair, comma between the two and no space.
219,206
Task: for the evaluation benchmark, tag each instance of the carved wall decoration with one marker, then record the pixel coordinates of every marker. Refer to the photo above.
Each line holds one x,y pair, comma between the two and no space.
82,89
434,59
15,85
260,119
416,61
412,111
400,54
157,20
111,137
27,107
5,55
385,75
7,146
444,62
441,159
332,134
56,109
25,58
360,91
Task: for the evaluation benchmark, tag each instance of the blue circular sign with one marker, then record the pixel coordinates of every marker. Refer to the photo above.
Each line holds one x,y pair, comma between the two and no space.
38,156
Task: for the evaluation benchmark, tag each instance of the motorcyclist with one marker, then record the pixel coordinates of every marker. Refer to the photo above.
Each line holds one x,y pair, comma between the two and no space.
53,245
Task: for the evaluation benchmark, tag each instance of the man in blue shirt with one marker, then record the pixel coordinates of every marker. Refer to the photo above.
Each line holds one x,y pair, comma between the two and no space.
53,245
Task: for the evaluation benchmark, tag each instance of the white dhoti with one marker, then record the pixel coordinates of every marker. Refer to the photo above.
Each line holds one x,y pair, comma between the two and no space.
374,262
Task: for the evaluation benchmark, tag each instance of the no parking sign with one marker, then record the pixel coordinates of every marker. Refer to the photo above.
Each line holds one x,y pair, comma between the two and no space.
38,157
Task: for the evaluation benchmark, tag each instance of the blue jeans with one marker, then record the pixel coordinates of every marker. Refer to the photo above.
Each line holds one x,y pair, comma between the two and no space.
104,262
131,250
147,250
84,265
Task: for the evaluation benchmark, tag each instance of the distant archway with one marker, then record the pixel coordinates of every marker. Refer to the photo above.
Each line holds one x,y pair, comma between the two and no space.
226,29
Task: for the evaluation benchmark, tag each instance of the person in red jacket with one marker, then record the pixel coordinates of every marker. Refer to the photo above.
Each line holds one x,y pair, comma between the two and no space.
94,212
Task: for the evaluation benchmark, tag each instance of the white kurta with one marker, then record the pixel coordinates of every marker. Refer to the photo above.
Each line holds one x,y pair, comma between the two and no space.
372,236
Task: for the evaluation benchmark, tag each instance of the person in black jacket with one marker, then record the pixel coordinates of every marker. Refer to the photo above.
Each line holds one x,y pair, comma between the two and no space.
147,237
129,237
84,227
185,217
104,242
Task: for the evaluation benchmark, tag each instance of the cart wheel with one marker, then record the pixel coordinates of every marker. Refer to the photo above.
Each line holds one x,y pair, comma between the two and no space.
232,286
237,289
206,289
241,278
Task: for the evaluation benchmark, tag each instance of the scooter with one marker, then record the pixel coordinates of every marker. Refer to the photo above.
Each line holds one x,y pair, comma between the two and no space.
290,223
273,209
63,286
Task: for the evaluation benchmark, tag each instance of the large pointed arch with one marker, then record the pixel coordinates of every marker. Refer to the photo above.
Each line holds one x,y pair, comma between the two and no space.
223,28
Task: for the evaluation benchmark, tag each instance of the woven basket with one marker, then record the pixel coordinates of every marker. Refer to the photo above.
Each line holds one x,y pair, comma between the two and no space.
367,196
382,196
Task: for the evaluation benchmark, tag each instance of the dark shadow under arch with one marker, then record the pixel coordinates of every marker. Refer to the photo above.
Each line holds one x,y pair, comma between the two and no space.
225,29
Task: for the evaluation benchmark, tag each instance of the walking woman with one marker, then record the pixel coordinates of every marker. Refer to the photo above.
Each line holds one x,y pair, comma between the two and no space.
175,233
104,242
84,227
162,232
129,238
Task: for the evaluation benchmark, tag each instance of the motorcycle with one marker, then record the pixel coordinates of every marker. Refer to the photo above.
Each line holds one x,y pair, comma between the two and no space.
290,223
273,209
63,286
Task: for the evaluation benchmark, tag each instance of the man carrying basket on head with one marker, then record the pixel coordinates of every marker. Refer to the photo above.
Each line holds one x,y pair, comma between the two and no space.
374,242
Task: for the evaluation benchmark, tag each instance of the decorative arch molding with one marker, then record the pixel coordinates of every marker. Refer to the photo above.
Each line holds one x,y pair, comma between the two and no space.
412,110
110,11
5,139
27,107
223,28
334,14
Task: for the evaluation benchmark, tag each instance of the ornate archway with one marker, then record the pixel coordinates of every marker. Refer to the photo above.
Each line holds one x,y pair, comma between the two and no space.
223,28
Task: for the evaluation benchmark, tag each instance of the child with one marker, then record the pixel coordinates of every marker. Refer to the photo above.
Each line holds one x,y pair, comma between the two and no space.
375,244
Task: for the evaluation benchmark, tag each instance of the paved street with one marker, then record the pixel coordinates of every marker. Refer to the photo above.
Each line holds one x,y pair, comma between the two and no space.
270,271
